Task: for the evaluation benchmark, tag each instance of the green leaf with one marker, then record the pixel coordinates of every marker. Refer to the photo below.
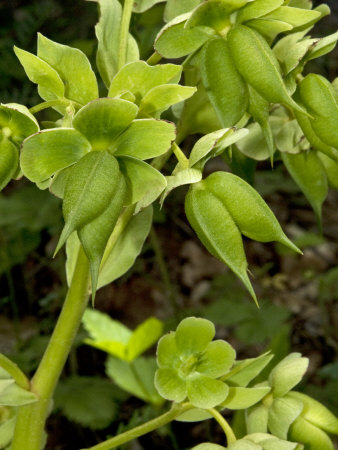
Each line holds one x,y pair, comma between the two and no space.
138,78
322,46
256,419
89,401
186,176
50,85
216,229
282,413
287,373
331,169
174,40
269,29
224,86
314,438
296,17
89,189
14,395
120,258
217,359
108,32
316,413
248,369
242,397
95,234
101,327
204,392
49,151
193,335
291,49
160,98
174,8
249,49
6,432
208,446
308,172
256,9
143,337
19,120
145,183
247,208
140,6
290,138
244,444
103,120
146,138
206,144
73,68
9,160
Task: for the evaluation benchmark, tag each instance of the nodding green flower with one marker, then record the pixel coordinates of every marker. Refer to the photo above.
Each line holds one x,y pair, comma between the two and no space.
190,363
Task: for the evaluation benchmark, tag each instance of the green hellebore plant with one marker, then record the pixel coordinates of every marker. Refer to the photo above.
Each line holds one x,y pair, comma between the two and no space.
190,363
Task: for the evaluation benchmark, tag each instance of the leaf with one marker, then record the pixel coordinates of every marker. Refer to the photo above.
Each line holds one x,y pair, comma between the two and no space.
50,85
143,337
217,230
186,176
174,8
145,139
249,49
145,182
245,371
9,160
95,234
215,14
73,68
89,188
49,151
143,5
331,169
14,395
6,432
256,9
121,257
296,17
224,85
89,401
256,419
282,413
322,46
206,144
138,78
174,40
107,32
249,211
308,172
287,373
205,392
244,444
269,29
160,98
313,437
208,446
137,377
291,49
316,413
103,120
170,385
242,397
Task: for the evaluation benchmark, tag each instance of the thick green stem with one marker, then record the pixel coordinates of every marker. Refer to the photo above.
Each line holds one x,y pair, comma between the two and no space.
147,427
31,418
124,32
154,59
231,438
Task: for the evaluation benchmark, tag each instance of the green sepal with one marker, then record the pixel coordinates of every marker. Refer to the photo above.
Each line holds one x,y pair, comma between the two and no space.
245,371
73,67
313,437
139,78
89,188
257,9
175,41
242,397
95,234
11,394
217,359
224,85
170,385
6,432
143,337
305,167
249,211
160,98
214,14
217,230
287,373
290,138
145,183
205,392
244,444
9,160
282,413
50,84
249,49
47,152
193,335
269,29
19,120
102,121
316,413
145,139
256,419
296,17
331,169
107,31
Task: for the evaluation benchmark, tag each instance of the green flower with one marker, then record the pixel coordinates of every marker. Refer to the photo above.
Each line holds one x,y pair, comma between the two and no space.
264,441
189,364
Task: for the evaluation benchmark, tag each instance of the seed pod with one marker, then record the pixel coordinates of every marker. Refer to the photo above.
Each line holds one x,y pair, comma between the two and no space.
225,87
216,229
318,95
95,234
249,211
258,65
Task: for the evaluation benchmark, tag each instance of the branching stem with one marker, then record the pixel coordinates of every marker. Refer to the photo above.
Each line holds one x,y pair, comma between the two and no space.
231,438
